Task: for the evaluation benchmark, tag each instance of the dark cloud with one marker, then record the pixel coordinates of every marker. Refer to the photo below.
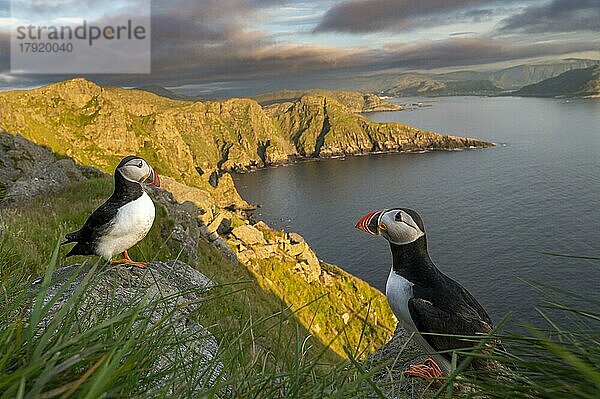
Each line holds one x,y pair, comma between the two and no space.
556,16
193,39
470,51
359,16
196,42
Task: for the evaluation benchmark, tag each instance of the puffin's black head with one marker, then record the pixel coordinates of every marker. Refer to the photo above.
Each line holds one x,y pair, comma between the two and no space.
136,169
399,226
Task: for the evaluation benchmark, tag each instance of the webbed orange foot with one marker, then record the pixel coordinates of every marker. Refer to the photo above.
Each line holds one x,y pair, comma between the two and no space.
427,371
128,261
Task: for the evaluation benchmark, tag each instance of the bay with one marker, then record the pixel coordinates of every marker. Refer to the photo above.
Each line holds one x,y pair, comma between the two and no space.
489,214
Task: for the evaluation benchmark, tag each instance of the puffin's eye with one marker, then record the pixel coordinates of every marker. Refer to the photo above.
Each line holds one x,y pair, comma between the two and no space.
139,165
398,217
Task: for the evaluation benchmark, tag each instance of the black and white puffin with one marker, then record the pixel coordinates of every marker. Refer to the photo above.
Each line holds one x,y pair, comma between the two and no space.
124,219
423,298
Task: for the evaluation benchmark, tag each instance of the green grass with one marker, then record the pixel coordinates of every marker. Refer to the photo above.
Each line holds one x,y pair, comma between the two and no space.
71,354
557,358
68,354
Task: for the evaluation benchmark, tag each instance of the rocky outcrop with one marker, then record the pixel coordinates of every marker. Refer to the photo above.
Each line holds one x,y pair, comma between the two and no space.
28,170
285,264
169,293
248,235
259,241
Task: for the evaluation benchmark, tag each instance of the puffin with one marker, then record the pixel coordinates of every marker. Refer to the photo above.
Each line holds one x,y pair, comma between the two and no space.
124,219
424,299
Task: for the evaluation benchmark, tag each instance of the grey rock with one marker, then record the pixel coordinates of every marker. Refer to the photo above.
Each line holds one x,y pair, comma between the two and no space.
176,286
213,179
213,236
28,170
183,236
224,227
400,352
222,246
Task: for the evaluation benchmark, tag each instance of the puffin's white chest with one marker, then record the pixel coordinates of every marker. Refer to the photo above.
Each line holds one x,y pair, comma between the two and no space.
398,291
130,225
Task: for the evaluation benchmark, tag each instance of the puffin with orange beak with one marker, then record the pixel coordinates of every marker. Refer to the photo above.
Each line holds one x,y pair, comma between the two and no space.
423,298
124,219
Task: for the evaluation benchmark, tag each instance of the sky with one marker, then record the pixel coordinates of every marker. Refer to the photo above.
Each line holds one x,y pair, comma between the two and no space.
208,42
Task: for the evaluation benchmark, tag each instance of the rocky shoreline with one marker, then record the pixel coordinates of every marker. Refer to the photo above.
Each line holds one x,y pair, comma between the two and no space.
299,159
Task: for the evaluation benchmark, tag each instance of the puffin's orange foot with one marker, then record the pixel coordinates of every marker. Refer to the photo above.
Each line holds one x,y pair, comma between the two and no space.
428,371
128,261
141,265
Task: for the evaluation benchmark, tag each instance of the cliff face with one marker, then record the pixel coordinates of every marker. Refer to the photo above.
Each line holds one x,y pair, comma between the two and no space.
322,127
196,142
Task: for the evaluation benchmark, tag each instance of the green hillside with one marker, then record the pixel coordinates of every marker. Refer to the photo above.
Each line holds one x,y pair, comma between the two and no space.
197,142
574,83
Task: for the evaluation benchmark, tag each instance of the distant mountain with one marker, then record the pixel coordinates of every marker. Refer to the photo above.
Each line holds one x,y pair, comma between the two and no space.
462,82
523,75
434,88
355,101
583,82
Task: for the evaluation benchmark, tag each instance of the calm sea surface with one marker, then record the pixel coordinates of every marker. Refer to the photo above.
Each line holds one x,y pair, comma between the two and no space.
488,213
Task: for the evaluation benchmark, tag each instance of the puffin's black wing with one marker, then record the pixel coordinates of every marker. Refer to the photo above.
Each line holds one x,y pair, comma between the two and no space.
431,319
95,226
472,303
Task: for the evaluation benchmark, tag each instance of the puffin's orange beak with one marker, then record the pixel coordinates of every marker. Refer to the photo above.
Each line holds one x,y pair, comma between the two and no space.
369,223
155,179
